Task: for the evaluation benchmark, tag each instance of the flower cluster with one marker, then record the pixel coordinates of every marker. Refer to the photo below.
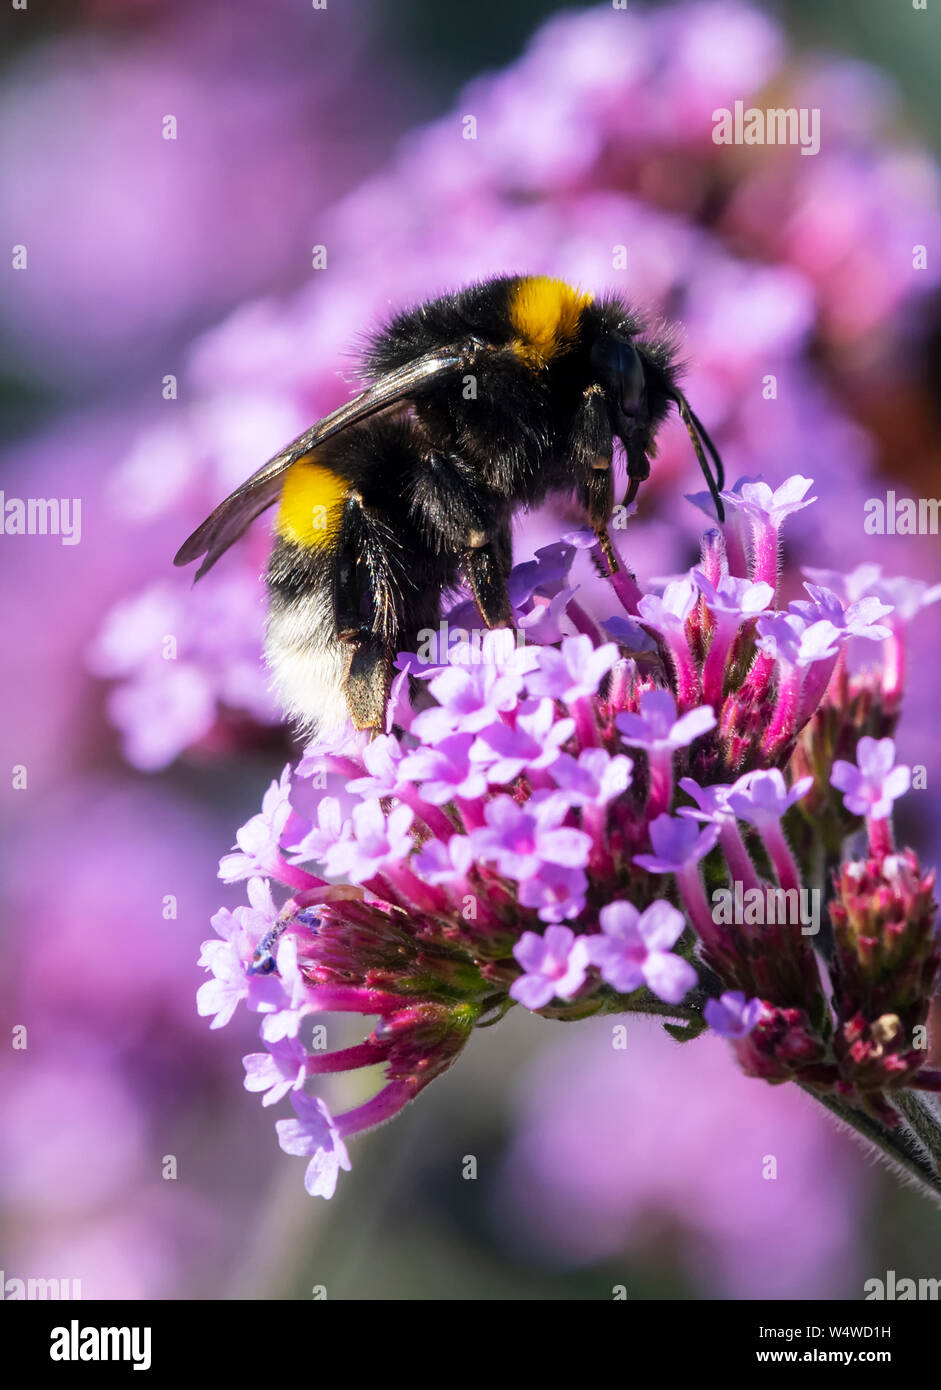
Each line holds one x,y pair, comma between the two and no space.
583,826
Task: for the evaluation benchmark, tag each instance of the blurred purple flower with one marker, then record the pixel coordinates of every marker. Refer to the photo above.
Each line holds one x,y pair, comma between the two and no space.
584,1183
132,128
731,1016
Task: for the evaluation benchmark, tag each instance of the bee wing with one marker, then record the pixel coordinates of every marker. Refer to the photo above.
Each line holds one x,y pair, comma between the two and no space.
238,511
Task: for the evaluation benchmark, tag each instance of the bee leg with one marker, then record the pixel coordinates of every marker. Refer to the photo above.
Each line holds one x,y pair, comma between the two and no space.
364,612
485,570
596,494
591,445
367,685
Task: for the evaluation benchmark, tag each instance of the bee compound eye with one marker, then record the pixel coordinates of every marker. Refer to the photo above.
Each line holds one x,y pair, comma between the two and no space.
620,368
631,377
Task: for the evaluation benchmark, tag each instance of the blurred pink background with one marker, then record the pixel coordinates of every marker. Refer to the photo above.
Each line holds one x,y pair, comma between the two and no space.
192,257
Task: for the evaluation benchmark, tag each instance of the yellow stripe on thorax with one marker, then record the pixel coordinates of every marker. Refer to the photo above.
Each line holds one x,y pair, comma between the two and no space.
311,503
545,314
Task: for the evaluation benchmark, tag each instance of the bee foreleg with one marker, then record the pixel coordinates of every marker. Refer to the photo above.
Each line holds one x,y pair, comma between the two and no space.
596,494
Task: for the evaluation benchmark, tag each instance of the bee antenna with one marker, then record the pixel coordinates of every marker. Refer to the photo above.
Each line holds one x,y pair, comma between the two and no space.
699,436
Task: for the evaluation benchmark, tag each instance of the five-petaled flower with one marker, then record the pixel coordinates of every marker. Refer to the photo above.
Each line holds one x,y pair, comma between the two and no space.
871,785
635,948
554,965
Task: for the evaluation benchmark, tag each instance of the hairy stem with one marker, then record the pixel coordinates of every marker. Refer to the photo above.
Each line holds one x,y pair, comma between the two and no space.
913,1148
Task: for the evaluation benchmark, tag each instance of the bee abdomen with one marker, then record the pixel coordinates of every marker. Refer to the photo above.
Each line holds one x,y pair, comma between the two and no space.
308,662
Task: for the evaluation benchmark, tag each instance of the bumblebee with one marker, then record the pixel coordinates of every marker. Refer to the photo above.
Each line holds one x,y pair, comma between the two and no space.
478,403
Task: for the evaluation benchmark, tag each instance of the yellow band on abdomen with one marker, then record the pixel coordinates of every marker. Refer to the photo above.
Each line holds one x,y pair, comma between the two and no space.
311,503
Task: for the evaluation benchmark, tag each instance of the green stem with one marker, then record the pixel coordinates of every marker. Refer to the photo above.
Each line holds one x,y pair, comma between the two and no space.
914,1149
643,1002
924,1119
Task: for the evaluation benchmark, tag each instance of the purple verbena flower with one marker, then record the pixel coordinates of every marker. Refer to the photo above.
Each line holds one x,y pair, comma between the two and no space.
519,840
763,797
635,949
464,886
735,597
228,959
758,502
314,1135
790,638
376,840
677,842
712,802
382,758
534,742
555,966
574,671
875,781
858,619
447,770
469,698
281,1069
543,623
594,777
259,839
328,830
657,728
557,894
731,1016
669,613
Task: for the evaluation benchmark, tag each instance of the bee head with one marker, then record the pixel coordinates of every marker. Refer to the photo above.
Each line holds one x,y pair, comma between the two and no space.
633,400
638,387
